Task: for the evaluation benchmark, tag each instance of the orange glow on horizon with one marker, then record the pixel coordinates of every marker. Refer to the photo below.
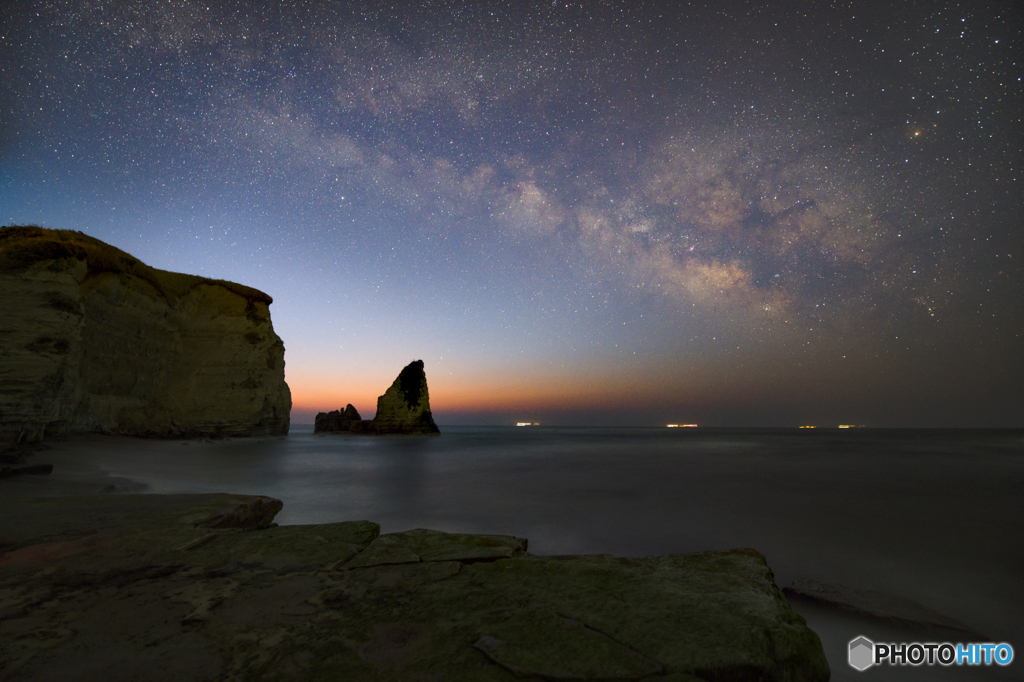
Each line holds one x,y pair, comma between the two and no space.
519,392
525,391
313,394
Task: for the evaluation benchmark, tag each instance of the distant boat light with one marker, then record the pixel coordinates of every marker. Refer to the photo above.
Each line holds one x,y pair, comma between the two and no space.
681,426
808,427
527,423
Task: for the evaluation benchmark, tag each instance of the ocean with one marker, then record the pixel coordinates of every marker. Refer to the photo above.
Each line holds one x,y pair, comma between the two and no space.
934,516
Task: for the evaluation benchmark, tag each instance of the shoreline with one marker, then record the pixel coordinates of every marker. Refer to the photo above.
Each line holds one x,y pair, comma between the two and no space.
833,624
205,586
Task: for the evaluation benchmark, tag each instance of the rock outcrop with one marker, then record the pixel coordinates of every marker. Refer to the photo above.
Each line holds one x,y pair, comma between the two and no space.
886,607
128,586
337,420
92,340
403,409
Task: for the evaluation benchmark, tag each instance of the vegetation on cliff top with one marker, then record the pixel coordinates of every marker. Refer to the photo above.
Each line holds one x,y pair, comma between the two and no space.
21,246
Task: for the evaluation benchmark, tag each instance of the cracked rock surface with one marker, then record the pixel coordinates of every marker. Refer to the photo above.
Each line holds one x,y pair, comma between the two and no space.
194,587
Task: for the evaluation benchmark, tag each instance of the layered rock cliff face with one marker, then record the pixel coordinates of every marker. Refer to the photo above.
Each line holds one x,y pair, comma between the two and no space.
91,339
403,409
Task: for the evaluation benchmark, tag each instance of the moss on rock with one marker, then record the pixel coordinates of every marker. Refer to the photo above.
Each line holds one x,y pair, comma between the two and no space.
118,584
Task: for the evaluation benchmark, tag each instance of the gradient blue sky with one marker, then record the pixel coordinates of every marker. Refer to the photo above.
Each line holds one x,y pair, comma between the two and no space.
743,213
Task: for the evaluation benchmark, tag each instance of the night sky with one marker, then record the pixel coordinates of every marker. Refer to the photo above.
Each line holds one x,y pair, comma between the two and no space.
609,213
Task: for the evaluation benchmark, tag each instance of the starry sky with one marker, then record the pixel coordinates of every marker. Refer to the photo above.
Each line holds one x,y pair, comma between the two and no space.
580,213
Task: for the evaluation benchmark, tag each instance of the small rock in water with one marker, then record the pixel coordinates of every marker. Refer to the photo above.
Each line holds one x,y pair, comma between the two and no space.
403,409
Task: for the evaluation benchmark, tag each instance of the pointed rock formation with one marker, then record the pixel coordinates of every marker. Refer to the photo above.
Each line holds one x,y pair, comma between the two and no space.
403,409
336,420
405,406
92,339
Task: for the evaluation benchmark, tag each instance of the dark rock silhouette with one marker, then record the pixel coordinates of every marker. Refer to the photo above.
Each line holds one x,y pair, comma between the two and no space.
403,409
405,406
336,420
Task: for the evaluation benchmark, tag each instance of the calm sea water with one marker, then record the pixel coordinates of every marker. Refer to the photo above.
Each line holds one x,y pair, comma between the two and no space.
934,516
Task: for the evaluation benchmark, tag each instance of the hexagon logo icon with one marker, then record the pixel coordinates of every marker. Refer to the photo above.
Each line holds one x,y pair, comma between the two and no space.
862,653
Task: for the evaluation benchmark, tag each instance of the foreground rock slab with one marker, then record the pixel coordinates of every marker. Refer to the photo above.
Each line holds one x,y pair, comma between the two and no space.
192,587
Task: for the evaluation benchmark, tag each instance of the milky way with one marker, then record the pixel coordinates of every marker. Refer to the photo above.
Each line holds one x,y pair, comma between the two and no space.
743,213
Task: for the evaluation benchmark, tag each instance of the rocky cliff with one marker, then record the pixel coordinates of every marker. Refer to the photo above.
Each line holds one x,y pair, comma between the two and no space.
91,339
403,409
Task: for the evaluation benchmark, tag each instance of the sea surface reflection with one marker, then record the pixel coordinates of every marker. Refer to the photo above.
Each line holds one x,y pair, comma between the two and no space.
934,516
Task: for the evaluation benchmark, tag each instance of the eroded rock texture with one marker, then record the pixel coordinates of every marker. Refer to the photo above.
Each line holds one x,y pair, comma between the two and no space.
405,406
159,587
91,339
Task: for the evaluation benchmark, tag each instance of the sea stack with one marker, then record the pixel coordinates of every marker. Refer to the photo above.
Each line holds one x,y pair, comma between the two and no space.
93,340
405,406
337,420
403,409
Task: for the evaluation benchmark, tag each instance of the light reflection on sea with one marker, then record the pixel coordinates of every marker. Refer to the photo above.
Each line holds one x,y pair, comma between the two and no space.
935,516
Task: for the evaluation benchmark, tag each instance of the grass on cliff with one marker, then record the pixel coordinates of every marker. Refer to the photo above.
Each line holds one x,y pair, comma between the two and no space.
22,246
